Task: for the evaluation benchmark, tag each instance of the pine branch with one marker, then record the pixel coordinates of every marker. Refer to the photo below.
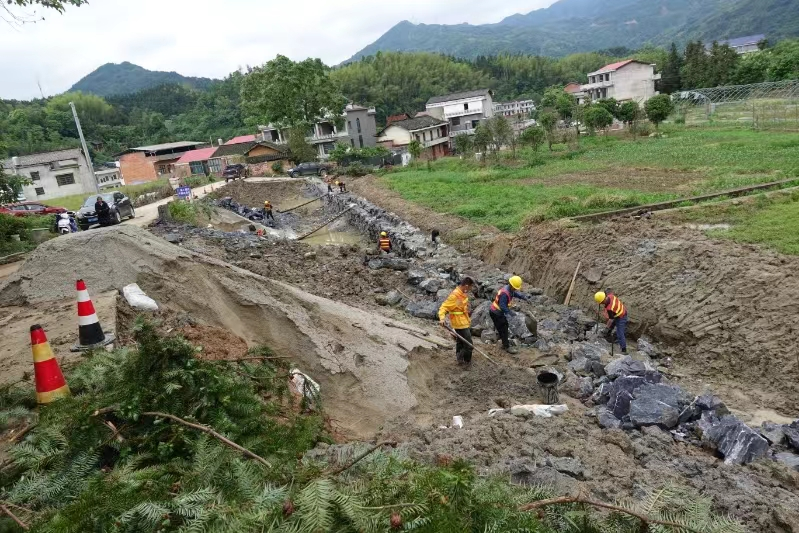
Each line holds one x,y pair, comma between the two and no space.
569,499
362,456
13,517
211,432
243,359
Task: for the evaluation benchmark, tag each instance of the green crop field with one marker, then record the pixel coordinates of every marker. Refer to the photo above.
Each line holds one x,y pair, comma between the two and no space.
604,173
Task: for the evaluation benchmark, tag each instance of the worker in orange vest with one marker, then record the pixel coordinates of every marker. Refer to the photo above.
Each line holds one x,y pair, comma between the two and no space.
616,314
268,210
457,307
384,242
500,310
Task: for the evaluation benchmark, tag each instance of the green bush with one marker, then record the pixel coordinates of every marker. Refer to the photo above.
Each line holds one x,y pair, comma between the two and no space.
197,180
183,211
277,167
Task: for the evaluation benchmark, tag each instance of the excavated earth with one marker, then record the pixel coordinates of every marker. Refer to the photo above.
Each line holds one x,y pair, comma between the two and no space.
326,308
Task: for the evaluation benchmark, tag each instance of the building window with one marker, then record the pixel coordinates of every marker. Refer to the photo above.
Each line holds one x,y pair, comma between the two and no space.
215,165
39,191
360,140
162,169
349,125
456,121
465,107
65,179
35,177
197,167
358,124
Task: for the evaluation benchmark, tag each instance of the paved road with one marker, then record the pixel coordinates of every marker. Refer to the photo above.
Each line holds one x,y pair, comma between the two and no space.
148,213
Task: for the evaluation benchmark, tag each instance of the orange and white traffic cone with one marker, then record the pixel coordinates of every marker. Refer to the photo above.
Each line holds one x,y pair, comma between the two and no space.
50,382
90,332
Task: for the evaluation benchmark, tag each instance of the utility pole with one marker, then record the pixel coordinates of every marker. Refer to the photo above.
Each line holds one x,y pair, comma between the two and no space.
85,148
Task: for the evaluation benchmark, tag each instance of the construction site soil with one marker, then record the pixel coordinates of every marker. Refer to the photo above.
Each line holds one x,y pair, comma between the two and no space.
322,307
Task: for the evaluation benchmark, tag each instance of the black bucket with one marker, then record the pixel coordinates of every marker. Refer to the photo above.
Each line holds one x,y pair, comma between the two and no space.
548,385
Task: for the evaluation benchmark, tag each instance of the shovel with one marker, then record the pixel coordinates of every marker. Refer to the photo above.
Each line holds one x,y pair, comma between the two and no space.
478,350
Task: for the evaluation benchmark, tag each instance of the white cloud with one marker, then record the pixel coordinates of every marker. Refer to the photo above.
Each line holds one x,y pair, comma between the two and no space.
211,38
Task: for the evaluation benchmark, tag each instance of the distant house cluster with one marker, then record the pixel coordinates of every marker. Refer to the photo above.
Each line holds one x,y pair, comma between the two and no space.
743,45
517,108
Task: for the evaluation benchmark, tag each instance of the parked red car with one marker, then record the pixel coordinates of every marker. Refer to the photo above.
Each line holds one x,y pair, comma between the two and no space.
24,209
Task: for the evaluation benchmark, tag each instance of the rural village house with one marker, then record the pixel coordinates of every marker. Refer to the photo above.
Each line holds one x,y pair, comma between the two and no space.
463,110
148,163
53,174
432,134
626,80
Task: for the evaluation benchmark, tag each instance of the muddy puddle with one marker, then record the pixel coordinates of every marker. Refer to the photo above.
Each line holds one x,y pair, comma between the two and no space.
326,237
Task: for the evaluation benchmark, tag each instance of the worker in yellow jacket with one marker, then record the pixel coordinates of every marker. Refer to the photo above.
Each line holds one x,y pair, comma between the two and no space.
457,307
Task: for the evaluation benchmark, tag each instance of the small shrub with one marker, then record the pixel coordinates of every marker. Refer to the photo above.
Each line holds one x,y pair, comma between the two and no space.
277,167
184,212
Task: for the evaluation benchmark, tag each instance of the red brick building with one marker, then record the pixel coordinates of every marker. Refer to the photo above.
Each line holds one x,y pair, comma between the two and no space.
149,163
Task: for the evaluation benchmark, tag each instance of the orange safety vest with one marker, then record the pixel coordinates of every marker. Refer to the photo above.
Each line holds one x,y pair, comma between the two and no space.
615,306
457,307
267,205
495,303
385,244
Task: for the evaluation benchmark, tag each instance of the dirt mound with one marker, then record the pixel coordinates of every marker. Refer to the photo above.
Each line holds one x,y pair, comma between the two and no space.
571,452
727,310
357,360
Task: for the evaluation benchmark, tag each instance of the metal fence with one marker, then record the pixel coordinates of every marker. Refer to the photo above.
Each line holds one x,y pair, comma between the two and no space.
770,105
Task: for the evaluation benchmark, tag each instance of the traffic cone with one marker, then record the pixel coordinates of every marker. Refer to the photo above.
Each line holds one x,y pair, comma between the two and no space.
90,333
50,383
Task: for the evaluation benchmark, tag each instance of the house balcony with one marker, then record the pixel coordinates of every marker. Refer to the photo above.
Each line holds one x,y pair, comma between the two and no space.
463,129
597,85
327,137
434,142
462,113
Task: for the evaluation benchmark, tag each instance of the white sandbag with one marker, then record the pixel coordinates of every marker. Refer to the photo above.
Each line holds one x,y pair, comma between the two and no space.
546,411
137,299
303,384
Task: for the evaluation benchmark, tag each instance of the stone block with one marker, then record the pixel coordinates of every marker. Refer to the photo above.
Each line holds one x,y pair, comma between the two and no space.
737,442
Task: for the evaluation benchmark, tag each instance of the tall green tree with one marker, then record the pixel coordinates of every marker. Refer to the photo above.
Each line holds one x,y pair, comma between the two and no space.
301,150
695,69
722,63
501,133
658,108
671,78
533,137
597,117
464,144
549,122
289,94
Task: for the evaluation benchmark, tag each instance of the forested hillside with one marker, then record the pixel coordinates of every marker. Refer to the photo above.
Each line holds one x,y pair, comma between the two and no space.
126,78
571,26
392,82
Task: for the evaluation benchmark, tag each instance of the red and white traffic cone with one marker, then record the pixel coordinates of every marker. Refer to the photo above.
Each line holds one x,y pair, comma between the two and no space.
90,332
50,382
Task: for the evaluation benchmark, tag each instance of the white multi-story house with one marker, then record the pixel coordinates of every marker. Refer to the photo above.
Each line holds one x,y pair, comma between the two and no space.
518,108
53,174
625,80
431,133
359,129
109,178
464,110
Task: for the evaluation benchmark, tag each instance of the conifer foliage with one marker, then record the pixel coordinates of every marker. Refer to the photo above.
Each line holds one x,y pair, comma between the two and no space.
100,461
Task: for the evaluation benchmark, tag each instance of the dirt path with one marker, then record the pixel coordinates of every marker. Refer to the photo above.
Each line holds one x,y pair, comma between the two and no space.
147,214
9,268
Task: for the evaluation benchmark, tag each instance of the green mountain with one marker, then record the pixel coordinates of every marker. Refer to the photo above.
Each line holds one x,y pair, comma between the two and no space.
126,78
570,26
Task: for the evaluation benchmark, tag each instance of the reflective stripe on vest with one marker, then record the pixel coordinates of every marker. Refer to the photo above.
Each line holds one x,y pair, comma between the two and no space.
495,304
385,244
615,306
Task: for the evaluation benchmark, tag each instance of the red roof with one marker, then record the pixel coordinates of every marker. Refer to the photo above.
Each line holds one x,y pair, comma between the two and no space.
397,118
615,66
241,139
196,155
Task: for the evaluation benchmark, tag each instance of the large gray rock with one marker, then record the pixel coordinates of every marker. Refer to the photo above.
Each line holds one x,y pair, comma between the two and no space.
427,310
627,366
792,434
737,442
606,419
772,433
706,402
646,346
671,395
431,285
393,298
791,460
621,392
481,321
415,277
594,351
649,411
570,466
517,325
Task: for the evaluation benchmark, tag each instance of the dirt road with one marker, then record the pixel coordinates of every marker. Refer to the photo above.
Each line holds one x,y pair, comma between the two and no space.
10,268
148,213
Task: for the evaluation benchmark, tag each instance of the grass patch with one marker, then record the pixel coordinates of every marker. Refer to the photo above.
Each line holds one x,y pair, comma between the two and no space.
22,226
604,173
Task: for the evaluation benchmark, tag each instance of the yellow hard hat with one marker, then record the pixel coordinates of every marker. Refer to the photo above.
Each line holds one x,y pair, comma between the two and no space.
383,234
515,282
600,297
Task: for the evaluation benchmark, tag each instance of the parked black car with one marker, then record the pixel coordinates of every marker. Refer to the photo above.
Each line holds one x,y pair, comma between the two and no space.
120,205
309,169
234,172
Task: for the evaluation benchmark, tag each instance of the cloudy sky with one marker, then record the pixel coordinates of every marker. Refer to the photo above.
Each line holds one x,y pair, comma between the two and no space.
211,37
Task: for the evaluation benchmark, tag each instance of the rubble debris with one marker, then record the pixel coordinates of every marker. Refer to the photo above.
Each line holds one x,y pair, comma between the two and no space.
792,434
735,441
791,460
545,411
772,433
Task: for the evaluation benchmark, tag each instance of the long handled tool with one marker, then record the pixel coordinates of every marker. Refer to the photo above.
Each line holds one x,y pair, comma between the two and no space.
481,352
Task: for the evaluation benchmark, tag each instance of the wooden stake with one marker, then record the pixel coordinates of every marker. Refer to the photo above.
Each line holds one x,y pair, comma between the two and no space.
571,286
